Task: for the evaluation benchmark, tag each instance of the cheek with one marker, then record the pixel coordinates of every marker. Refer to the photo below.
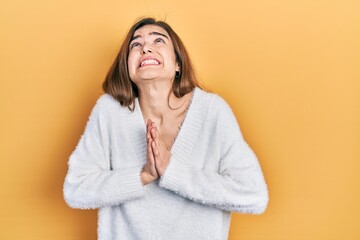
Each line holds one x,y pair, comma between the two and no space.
172,58
131,64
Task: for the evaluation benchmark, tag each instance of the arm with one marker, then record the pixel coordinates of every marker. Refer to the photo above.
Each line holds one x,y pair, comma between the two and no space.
90,183
238,185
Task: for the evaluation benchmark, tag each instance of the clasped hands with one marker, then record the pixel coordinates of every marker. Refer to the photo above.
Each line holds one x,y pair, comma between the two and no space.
158,156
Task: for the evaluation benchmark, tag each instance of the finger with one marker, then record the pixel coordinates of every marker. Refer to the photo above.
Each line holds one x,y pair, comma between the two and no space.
150,152
148,135
149,128
155,149
149,123
156,140
154,133
153,125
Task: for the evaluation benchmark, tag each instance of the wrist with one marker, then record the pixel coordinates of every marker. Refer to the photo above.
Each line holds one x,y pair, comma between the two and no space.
146,178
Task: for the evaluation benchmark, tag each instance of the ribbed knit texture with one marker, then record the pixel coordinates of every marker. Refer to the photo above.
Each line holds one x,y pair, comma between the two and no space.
212,171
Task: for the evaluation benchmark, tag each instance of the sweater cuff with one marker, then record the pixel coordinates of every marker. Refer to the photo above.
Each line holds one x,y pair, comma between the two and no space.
176,176
130,185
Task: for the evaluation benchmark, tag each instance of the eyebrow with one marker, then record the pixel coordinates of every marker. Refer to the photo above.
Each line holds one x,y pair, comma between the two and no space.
151,33
157,33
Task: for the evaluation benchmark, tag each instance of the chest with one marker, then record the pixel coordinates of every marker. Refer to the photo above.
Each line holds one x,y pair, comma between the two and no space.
196,142
168,132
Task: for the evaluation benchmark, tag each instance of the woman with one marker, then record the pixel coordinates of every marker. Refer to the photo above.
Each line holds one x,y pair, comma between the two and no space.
160,157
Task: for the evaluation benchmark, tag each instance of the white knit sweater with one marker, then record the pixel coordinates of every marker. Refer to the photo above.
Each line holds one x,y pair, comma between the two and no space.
212,171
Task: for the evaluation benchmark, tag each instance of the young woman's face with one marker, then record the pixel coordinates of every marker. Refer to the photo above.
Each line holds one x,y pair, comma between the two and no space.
151,55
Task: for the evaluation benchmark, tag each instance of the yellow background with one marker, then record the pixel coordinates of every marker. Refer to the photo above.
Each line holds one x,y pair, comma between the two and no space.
289,69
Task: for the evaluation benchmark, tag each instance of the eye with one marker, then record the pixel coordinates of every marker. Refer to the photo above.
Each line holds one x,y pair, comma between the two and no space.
159,40
135,44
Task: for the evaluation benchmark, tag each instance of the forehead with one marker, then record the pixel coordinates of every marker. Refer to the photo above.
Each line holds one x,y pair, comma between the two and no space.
148,29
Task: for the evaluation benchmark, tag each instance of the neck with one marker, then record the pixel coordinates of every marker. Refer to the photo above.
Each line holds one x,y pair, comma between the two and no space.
154,100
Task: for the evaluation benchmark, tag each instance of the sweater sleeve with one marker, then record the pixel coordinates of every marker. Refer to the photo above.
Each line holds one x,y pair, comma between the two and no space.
238,186
90,182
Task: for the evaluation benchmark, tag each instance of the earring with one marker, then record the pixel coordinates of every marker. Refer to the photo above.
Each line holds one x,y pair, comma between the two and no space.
177,74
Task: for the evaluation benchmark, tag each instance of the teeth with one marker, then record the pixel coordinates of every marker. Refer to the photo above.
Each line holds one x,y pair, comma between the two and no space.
149,61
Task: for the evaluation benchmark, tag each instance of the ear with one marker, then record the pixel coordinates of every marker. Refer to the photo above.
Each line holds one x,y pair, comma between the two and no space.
177,68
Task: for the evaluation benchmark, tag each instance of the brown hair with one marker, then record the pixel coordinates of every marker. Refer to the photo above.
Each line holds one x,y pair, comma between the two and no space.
118,83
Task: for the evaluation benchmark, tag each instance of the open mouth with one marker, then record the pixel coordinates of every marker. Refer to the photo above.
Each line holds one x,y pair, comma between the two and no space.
150,61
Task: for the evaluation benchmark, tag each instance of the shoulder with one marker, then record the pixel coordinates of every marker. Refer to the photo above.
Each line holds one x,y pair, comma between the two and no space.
213,101
219,112
107,104
106,100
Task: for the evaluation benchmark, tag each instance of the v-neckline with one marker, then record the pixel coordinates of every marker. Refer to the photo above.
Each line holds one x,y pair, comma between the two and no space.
180,128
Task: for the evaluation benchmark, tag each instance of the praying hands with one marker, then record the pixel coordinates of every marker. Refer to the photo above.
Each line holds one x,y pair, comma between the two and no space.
158,155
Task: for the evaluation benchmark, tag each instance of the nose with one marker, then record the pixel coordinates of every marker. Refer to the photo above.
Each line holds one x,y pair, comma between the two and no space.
146,48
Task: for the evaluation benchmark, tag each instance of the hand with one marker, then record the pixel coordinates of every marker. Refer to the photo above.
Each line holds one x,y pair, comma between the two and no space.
159,149
149,172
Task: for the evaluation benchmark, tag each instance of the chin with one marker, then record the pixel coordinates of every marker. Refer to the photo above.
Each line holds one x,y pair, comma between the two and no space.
148,77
